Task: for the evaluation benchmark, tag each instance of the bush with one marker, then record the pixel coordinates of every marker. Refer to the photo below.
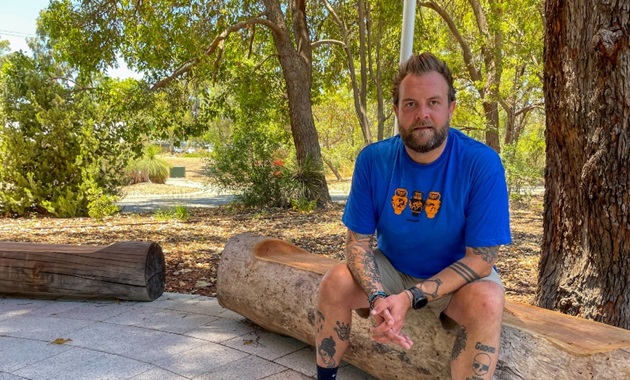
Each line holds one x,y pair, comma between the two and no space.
59,151
149,168
251,164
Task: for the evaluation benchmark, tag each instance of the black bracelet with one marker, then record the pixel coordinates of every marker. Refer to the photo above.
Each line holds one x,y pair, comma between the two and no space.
374,296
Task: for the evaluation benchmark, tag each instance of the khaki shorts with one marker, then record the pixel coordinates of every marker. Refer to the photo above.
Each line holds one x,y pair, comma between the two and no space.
395,282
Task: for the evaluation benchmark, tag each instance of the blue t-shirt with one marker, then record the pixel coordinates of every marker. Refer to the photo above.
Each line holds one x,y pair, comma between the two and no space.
426,215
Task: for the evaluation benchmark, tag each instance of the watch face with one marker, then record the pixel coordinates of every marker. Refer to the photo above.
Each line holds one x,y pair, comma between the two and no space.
419,303
419,300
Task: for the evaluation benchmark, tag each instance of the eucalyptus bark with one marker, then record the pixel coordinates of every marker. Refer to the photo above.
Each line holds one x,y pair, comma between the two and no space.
585,262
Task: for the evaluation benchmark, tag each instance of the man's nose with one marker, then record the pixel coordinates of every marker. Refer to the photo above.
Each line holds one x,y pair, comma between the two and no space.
423,112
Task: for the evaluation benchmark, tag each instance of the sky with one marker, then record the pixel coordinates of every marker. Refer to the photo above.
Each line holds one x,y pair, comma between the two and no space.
18,21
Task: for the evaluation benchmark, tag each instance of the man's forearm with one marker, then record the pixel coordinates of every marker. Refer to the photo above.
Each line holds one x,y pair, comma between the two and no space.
360,260
475,265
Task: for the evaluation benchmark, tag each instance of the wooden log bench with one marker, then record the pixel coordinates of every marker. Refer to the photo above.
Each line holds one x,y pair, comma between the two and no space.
274,284
133,271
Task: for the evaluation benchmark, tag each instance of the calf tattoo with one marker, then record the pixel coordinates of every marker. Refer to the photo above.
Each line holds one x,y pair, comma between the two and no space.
481,365
326,350
319,321
343,330
483,347
460,342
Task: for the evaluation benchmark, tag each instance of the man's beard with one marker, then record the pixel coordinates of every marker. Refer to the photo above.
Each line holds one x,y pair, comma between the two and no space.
413,142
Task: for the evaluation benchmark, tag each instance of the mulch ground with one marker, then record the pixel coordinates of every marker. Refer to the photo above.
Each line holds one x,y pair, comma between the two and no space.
193,248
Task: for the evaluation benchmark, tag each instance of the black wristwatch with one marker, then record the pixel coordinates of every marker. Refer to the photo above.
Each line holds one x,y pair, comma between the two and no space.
419,299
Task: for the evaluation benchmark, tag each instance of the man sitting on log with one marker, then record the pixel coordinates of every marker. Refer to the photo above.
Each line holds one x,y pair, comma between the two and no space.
438,203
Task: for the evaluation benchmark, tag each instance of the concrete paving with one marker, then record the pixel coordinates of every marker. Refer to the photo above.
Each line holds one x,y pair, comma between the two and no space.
176,337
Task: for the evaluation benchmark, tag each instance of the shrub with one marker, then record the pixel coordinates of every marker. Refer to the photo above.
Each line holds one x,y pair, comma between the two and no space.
149,168
250,163
60,152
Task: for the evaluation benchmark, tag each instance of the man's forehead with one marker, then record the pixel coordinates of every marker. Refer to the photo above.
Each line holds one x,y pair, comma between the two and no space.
430,84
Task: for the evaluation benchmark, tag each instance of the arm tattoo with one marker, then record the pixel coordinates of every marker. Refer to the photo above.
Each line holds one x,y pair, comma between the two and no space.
360,237
464,271
435,287
488,254
361,262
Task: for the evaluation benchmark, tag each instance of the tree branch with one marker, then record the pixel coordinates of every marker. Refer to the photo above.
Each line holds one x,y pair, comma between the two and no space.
329,42
468,56
188,65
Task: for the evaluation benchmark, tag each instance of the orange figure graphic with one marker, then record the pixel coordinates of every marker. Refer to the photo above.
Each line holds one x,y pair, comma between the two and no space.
433,204
399,201
416,203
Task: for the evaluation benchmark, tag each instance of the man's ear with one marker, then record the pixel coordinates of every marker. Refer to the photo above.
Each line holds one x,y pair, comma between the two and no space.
451,109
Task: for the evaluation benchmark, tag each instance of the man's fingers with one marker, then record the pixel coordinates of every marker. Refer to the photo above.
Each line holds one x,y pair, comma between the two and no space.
391,337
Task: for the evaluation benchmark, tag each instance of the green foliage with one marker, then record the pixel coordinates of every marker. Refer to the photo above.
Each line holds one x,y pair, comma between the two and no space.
339,133
149,167
178,212
60,150
525,163
303,205
250,164
241,83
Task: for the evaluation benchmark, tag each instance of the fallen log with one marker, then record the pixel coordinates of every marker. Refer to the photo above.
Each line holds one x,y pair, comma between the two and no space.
274,284
132,271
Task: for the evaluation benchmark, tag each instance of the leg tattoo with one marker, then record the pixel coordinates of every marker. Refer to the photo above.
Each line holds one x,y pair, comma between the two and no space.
326,350
481,365
460,342
319,321
343,330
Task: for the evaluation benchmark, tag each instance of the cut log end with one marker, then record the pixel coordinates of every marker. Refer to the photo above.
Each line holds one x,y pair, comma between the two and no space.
155,273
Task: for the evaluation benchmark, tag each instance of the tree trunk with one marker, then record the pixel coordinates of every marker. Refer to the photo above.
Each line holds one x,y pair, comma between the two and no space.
585,263
296,69
535,343
491,110
333,169
132,271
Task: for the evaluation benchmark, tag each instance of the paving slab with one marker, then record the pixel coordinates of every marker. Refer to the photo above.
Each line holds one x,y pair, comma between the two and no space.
176,337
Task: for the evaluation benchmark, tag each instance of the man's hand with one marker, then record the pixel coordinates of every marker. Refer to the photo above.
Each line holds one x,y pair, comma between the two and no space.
389,317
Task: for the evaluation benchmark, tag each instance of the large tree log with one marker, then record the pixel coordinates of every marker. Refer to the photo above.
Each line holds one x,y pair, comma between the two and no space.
274,284
127,270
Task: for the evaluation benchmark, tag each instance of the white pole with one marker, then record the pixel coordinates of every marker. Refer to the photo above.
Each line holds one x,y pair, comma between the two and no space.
406,37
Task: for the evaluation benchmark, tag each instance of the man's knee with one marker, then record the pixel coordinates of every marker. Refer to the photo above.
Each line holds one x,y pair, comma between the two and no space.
481,301
337,285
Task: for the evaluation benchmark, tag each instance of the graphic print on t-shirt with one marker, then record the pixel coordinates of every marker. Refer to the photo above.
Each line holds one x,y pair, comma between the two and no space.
416,203
399,201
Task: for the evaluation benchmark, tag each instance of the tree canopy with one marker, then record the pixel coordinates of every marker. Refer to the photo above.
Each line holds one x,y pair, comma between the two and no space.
227,64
